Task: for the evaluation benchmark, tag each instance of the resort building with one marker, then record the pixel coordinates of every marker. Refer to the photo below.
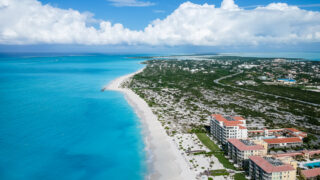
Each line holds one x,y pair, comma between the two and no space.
288,132
310,174
307,154
283,142
269,168
223,128
264,132
295,132
239,150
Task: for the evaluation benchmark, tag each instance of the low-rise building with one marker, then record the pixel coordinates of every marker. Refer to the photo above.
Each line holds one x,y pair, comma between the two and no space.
310,174
287,81
283,142
289,132
295,132
270,168
264,132
303,154
223,128
239,150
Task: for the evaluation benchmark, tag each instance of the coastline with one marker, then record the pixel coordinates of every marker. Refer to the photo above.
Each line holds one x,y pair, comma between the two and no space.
163,158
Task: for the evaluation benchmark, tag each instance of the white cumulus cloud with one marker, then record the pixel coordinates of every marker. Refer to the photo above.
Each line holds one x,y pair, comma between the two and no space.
130,3
30,22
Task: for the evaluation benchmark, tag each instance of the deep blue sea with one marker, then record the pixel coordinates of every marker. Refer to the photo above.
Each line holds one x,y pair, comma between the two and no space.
56,124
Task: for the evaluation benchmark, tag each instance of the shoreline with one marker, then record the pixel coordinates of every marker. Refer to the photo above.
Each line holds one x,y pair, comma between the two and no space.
163,157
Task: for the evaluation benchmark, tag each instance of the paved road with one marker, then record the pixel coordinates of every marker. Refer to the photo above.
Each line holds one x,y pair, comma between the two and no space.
217,81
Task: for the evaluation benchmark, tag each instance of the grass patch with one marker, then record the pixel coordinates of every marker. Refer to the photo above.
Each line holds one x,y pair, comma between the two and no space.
239,176
299,177
219,172
215,150
203,153
207,142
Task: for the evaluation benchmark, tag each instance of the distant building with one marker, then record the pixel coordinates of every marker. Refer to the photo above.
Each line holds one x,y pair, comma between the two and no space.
310,174
250,82
247,66
270,168
283,142
239,150
279,60
287,81
263,78
239,83
223,128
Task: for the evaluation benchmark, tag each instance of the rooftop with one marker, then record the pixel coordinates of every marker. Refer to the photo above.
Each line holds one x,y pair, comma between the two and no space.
283,140
238,118
292,129
255,131
311,172
287,80
273,161
288,154
229,121
310,152
245,145
270,164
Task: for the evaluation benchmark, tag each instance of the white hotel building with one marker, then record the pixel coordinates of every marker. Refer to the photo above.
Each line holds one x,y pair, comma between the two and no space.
224,128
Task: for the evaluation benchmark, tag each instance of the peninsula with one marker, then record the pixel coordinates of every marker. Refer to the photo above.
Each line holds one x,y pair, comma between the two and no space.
186,102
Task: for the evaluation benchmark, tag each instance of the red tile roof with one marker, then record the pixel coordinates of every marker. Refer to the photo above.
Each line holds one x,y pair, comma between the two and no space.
232,123
292,129
312,152
269,168
218,117
302,135
283,140
242,127
226,122
293,154
242,147
311,172
238,118
275,130
255,131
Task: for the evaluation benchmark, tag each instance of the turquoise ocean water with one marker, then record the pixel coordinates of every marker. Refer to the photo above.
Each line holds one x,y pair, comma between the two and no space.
56,124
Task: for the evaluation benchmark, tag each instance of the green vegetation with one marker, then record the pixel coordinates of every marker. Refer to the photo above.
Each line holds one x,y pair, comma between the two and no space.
219,172
295,92
216,151
184,94
207,142
309,139
299,177
197,130
239,176
204,153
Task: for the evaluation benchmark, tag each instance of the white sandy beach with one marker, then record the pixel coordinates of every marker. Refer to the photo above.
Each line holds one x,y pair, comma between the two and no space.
166,162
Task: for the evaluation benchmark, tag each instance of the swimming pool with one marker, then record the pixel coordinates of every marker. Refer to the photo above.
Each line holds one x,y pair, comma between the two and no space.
312,165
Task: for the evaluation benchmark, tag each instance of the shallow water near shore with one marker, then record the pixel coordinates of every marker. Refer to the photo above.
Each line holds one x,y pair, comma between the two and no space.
57,124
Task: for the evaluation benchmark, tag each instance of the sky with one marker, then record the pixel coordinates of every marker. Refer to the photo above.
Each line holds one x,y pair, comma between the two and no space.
159,25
